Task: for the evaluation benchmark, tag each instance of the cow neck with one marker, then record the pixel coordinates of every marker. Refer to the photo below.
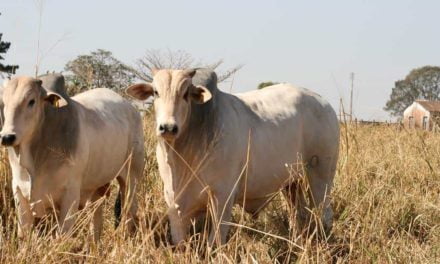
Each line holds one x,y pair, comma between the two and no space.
57,133
23,153
199,136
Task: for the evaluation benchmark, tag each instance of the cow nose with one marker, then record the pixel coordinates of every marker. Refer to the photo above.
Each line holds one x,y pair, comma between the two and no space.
168,129
8,139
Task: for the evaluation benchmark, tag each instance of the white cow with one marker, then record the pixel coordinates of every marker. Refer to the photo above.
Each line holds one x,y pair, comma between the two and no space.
64,152
203,140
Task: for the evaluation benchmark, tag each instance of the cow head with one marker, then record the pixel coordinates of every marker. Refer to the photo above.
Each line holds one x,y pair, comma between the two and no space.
24,102
173,92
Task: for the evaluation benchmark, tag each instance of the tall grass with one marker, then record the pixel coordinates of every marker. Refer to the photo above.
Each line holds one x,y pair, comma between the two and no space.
386,201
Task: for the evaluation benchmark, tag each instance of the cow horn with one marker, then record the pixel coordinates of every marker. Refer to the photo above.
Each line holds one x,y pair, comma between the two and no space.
190,72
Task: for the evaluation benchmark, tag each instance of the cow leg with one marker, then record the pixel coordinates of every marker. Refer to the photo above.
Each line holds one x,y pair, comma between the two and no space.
179,225
132,206
135,176
25,218
222,212
320,179
97,215
296,195
321,189
97,223
128,201
68,208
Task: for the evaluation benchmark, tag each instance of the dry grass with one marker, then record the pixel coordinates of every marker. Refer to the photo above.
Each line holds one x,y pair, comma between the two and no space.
386,201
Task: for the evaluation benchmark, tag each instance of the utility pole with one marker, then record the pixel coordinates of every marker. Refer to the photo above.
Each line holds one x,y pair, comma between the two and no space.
351,96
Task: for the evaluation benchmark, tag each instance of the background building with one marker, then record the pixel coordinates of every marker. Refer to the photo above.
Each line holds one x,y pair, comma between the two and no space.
422,114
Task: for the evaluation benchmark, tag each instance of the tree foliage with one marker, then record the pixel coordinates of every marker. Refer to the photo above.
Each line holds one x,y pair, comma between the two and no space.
4,47
420,83
265,84
99,69
159,59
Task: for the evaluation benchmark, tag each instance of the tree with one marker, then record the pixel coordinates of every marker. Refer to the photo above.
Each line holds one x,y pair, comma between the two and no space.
158,59
420,83
265,84
99,69
4,47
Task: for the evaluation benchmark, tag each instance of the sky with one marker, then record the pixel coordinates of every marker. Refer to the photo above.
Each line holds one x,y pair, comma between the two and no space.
313,44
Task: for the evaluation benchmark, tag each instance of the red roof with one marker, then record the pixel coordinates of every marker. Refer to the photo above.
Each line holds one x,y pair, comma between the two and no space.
431,106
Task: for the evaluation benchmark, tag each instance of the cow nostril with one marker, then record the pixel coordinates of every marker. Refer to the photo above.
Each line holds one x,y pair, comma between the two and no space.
174,129
8,140
162,129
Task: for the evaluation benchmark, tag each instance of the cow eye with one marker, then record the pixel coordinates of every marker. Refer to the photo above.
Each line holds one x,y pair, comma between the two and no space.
156,94
31,103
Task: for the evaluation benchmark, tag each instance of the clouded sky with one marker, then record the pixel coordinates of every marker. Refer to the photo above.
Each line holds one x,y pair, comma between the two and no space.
314,44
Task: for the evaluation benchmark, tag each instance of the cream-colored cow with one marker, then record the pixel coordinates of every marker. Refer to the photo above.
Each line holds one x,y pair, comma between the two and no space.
204,136
64,152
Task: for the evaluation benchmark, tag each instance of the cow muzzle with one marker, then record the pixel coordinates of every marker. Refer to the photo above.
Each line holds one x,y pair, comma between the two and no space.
168,131
8,139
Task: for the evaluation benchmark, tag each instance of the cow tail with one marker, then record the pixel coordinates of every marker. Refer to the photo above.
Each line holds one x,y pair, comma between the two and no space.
118,209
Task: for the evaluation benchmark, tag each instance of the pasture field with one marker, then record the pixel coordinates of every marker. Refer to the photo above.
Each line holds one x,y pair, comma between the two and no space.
386,201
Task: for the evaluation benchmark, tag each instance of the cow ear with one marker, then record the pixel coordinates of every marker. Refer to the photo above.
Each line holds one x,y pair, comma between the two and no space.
154,71
140,91
200,94
55,100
